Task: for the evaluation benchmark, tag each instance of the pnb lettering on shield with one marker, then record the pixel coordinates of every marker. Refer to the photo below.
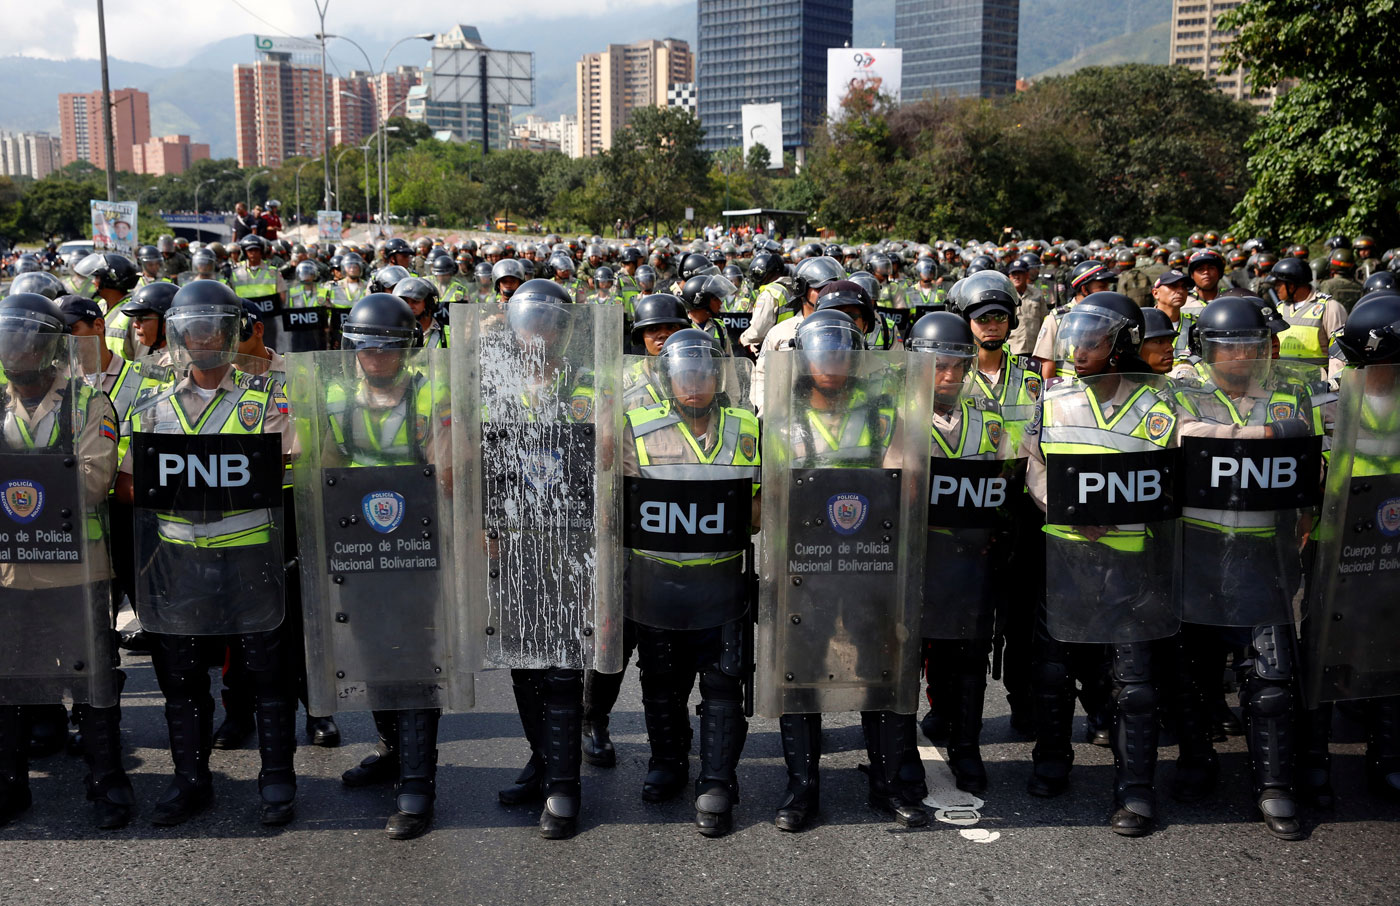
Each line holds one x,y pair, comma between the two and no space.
1135,486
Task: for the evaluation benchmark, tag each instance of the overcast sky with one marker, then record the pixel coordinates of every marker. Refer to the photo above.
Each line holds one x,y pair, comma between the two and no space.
153,33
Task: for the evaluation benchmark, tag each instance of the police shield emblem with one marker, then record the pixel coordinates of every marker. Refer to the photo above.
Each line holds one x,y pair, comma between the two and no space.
22,500
1280,411
1388,517
580,407
543,469
994,433
748,446
249,414
1158,425
1033,386
847,512
383,510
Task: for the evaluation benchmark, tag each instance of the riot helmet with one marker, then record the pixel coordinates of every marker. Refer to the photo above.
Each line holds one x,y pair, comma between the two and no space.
1371,335
660,310
43,283
507,275
1101,334
202,324
691,367
32,329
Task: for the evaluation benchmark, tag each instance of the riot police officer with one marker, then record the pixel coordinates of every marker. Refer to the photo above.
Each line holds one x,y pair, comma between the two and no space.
113,277
690,607
1313,318
705,296
203,578
260,283
59,613
506,276
422,297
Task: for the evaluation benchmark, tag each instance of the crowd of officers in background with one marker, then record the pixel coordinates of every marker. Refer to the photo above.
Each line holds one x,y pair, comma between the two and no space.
751,299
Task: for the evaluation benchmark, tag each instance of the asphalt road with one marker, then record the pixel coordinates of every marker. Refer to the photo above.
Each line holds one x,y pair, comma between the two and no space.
1010,849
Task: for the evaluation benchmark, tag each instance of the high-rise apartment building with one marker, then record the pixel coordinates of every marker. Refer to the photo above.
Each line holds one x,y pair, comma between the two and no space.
80,127
32,154
279,108
614,82
765,51
359,101
957,48
168,154
1197,44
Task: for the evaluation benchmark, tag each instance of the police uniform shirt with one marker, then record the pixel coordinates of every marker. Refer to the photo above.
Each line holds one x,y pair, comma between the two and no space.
377,402
1332,314
95,441
1030,315
346,292
771,300
1030,443
776,337
265,274
194,401
1045,339
949,428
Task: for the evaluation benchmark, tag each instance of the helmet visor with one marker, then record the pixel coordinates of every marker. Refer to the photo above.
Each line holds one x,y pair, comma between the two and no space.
1238,358
1088,336
205,336
29,341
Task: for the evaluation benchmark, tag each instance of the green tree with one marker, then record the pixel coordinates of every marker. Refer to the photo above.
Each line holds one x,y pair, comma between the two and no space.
58,206
1326,157
655,168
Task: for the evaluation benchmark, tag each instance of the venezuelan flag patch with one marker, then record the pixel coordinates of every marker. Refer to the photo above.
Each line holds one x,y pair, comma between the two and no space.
109,427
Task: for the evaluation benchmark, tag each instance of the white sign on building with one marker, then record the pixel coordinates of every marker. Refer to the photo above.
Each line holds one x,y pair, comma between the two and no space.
880,68
763,125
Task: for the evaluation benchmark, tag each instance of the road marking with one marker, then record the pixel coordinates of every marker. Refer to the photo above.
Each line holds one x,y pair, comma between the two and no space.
950,804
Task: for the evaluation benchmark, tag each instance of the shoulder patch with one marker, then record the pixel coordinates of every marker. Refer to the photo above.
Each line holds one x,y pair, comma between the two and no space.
994,433
1033,385
580,407
1159,425
250,412
1280,411
279,399
748,445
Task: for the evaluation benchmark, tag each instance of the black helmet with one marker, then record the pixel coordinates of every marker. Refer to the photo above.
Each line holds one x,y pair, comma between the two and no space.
148,253
156,297
27,264
659,308
1338,242
386,278
631,255
1108,314
926,268
527,267
352,260
846,294
695,264
307,271
1371,335
812,250
733,273
646,278
396,246
380,321
561,264
765,268
880,264
604,274
685,356
987,290
205,257
700,289
1157,324
1087,272
206,313
417,289
831,330
506,267
41,282
943,332
443,266
980,263
1227,319
31,336
482,272
716,257
1293,271
253,242
108,270
1380,280
814,273
866,281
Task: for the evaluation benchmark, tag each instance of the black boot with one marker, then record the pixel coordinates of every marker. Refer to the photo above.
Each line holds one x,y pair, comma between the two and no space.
600,691
418,730
108,787
668,769
191,788
529,701
48,729
277,744
723,728
1053,755
1134,738
1272,739
15,797
323,732
563,725
885,740
965,729
802,750
1383,748
381,765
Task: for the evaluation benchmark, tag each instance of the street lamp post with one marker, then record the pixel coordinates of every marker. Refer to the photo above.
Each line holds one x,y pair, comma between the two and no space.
199,228
365,148
297,181
248,188
343,152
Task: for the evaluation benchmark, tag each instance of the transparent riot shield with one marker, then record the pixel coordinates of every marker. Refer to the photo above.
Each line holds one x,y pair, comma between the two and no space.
1244,495
1111,532
536,393
687,520
57,459
841,569
974,478
373,490
1352,619
207,484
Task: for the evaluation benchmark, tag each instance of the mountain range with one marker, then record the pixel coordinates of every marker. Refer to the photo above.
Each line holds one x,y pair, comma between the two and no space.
193,94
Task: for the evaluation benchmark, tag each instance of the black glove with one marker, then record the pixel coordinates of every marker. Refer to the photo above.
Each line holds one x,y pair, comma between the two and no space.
1292,427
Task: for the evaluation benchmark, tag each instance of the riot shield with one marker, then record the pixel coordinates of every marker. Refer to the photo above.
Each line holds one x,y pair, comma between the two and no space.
845,491
974,478
536,393
1243,497
1352,619
686,522
735,323
305,328
373,485
55,601
208,507
1111,534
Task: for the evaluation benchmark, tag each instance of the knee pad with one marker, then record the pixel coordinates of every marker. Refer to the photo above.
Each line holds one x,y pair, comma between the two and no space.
1137,698
1274,658
716,685
1050,674
1131,664
563,688
1268,699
